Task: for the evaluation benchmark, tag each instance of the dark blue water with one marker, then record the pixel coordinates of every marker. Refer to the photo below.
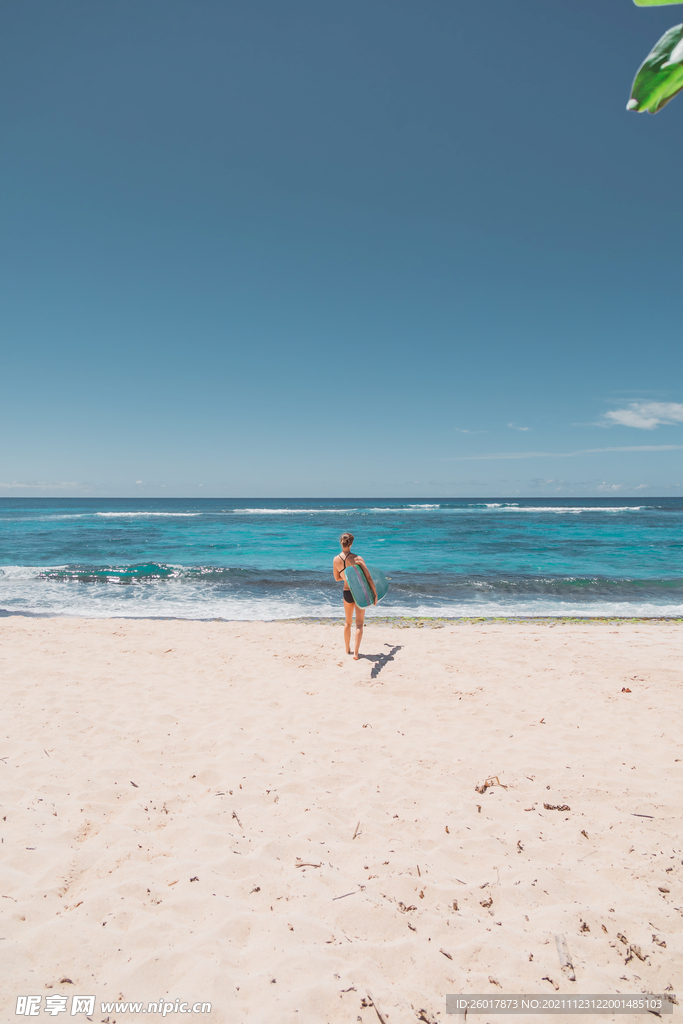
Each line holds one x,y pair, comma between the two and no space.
258,559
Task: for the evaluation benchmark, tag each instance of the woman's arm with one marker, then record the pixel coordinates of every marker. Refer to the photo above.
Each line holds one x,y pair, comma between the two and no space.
337,574
366,573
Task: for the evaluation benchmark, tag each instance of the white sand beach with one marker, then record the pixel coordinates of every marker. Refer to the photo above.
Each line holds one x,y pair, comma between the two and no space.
240,814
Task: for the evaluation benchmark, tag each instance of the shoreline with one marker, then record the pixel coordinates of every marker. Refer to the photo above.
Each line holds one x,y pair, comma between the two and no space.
384,620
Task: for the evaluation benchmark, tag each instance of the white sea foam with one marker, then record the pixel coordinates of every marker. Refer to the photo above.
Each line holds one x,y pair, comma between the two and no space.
402,509
105,515
532,607
22,592
459,509
331,511
65,515
292,511
168,515
568,509
264,609
27,572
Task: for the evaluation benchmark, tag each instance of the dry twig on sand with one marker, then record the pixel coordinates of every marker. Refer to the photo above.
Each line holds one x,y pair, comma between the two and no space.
377,1009
492,780
565,959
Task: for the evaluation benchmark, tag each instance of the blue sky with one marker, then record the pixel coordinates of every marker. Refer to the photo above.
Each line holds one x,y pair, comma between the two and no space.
320,249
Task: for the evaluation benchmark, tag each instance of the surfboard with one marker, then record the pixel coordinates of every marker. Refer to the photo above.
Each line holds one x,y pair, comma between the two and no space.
361,590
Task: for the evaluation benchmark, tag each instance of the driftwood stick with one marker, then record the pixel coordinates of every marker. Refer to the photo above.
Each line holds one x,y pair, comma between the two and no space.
356,832
565,959
377,1009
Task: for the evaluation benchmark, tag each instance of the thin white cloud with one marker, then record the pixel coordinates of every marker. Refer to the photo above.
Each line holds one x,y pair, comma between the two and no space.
55,485
646,415
610,487
514,427
565,455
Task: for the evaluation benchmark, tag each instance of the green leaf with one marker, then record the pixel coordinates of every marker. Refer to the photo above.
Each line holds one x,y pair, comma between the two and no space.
660,76
656,3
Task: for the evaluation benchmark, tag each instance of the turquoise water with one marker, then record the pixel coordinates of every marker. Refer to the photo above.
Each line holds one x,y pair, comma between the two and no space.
258,559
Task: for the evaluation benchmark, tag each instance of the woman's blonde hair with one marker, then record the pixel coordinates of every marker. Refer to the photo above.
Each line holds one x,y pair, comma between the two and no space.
346,540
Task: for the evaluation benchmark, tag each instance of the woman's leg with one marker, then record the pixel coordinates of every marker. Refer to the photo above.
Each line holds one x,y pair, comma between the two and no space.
348,612
360,618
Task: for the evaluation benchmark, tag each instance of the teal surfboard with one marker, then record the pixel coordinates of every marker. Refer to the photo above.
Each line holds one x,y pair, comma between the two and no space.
361,590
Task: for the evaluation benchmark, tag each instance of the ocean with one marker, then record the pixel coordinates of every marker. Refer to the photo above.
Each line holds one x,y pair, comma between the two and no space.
272,559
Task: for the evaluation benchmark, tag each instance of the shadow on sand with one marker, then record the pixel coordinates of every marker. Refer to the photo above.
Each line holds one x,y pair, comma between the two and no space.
380,660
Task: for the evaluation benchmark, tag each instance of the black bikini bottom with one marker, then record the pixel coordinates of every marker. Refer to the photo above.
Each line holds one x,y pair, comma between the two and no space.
348,597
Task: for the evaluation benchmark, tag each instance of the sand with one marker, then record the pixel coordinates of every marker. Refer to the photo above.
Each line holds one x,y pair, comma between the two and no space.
238,813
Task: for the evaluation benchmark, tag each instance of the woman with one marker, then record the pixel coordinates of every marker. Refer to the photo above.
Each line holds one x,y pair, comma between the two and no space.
339,564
